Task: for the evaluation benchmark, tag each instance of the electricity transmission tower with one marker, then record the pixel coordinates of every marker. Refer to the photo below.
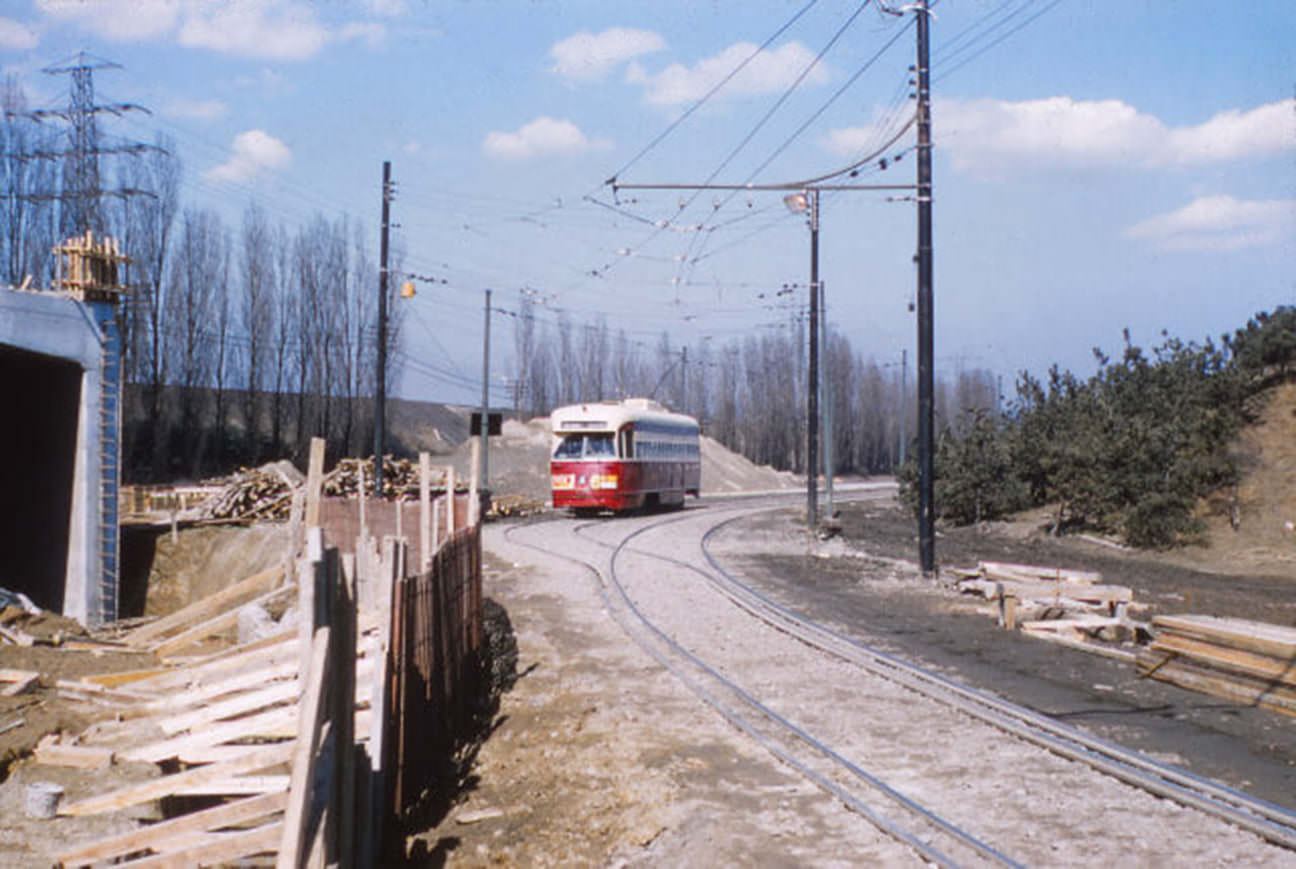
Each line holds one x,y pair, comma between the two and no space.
82,190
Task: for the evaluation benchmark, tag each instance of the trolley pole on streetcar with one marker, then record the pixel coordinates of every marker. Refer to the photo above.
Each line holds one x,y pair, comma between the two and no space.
926,408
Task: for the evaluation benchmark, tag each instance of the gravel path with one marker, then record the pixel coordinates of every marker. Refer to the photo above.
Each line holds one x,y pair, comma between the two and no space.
651,775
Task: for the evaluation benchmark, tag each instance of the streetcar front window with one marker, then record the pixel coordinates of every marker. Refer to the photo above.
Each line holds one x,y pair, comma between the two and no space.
596,446
570,447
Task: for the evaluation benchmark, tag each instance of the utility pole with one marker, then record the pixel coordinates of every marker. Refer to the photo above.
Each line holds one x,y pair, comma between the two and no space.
904,402
812,386
926,386
683,408
380,392
827,406
485,401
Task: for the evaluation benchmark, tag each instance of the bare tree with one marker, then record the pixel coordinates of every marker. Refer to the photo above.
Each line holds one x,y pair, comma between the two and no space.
257,312
195,273
28,185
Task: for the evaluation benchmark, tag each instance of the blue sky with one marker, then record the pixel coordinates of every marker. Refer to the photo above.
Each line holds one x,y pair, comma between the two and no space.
1099,165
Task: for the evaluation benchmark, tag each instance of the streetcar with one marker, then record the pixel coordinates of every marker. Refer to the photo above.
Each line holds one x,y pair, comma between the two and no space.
623,455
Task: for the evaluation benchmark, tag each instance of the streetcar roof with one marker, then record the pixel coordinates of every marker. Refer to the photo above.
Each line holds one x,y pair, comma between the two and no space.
611,415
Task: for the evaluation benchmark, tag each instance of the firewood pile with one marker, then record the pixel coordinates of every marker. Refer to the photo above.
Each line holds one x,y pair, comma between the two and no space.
1239,660
254,493
400,478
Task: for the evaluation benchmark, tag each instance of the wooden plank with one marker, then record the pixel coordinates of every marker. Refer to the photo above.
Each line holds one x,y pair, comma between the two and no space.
1042,590
280,721
474,477
214,625
19,681
156,836
1085,624
255,759
257,584
1009,570
1238,689
271,695
1115,652
1266,639
237,786
1225,658
78,756
314,482
116,680
426,532
280,647
311,713
343,715
201,694
229,847
450,501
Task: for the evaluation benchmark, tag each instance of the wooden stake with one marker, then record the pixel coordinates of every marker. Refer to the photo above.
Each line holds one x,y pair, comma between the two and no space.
314,482
425,512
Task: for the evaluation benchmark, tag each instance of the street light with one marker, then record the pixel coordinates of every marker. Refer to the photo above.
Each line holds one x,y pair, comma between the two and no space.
807,202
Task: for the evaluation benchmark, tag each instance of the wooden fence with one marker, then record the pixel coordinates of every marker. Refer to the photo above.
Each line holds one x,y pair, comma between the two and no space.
360,704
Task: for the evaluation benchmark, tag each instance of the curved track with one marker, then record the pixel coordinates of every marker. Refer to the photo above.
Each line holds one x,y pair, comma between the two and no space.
616,553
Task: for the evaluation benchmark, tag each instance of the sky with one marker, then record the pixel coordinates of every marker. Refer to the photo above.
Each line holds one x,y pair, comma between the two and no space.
1098,166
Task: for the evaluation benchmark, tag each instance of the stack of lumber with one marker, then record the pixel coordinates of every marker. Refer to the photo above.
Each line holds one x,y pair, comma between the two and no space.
1060,604
515,505
1243,661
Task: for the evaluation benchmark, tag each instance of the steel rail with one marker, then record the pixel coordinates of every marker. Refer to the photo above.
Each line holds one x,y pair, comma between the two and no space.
854,802
1267,820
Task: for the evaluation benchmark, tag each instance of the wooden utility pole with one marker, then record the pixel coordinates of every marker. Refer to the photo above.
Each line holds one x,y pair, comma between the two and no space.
484,432
812,385
380,392
926,387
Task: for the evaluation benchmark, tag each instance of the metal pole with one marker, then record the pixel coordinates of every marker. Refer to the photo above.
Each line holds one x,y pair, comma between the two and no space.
926,390
380,391
827,405
485,401
812,387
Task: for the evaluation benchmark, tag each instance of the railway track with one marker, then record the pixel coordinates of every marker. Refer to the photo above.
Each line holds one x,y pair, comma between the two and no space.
616,553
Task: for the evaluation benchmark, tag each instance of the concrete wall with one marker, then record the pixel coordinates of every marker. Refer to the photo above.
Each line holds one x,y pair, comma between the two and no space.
60,330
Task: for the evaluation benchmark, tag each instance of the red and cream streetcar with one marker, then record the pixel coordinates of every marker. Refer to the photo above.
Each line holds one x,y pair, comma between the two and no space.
623,455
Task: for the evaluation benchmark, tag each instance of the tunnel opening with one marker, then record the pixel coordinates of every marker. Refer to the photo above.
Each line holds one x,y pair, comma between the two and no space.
42,397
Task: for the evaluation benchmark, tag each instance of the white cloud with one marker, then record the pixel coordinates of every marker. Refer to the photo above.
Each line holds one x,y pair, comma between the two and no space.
1219,223
1060,131
541,137
284,31
255,151
768,72
16,36
119,20
198,110
589,56
276,29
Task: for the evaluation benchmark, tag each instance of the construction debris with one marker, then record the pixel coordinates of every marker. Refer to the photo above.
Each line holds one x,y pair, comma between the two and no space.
1243,661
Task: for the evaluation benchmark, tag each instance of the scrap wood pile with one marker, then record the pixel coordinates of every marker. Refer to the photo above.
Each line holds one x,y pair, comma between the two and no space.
229,727
266,492
1069,606
400,478
1247,662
